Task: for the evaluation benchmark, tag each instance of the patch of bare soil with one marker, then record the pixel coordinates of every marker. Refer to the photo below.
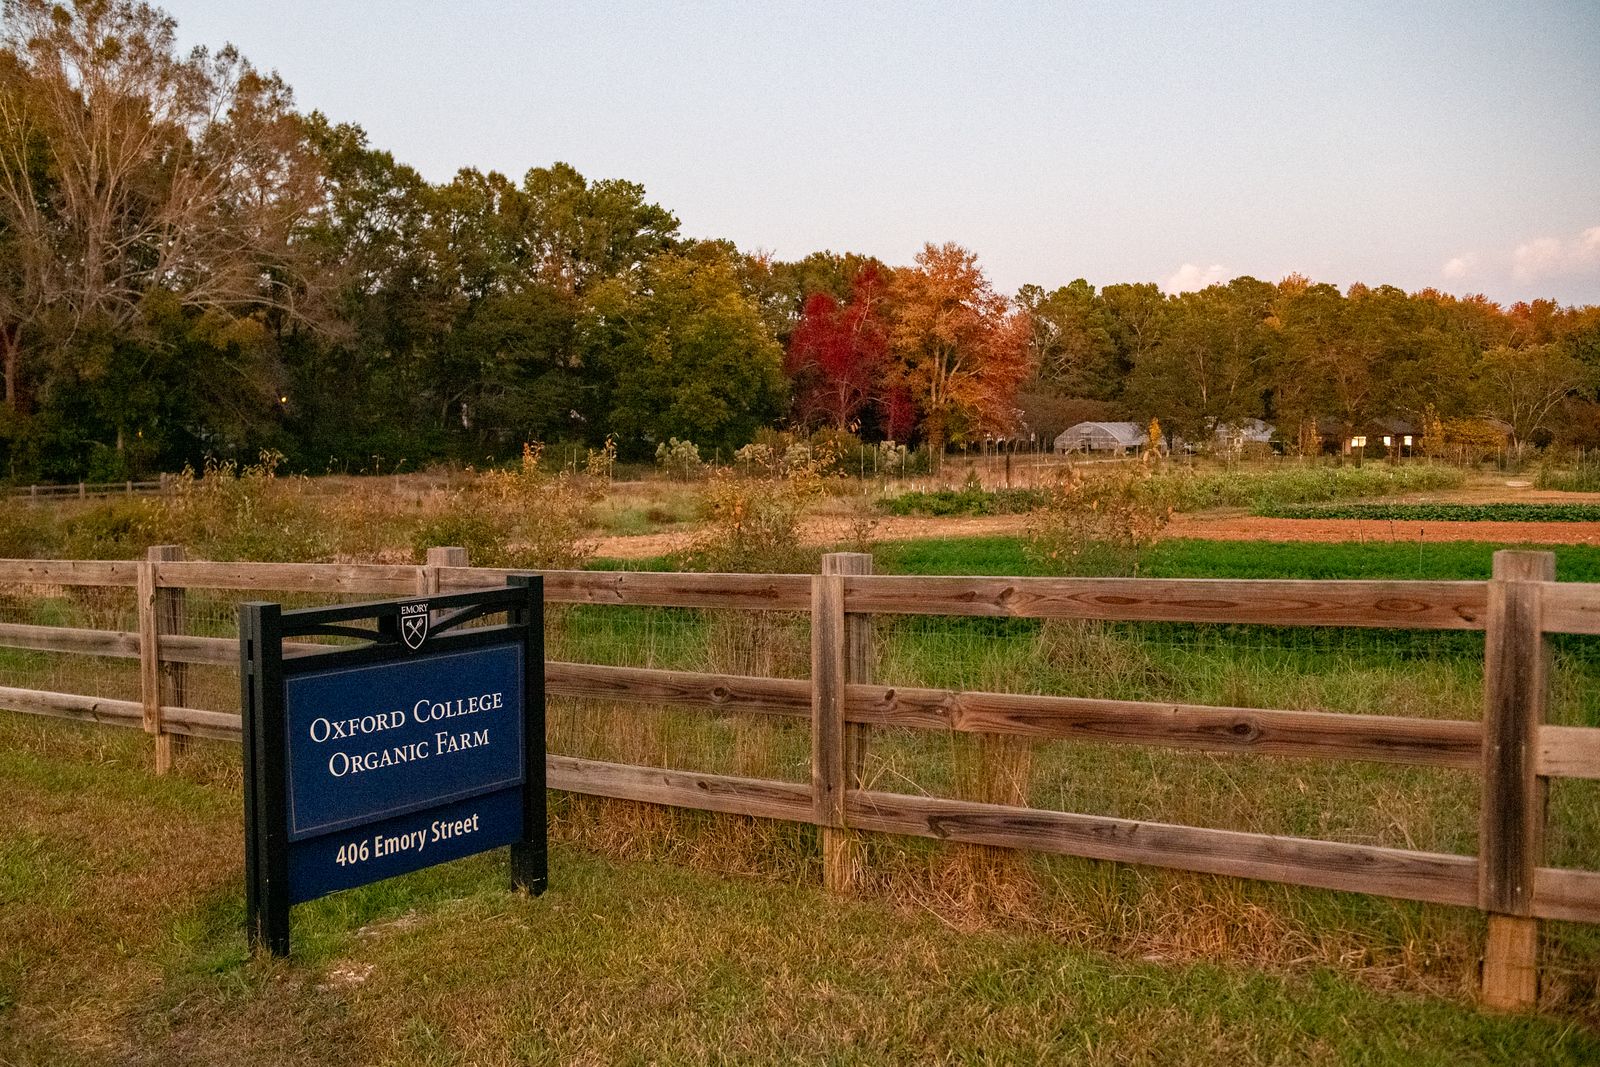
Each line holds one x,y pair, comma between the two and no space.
826,530
1214,526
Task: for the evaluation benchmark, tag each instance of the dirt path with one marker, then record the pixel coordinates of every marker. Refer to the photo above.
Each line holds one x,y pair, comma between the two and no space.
824,530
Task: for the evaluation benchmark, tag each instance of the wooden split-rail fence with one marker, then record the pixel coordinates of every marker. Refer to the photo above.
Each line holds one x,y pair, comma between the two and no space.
85,490
1512,748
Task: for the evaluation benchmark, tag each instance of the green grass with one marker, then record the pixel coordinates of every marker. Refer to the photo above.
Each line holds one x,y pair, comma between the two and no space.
1582,477
1437,512
121,898
1284,485
1181,558
968,500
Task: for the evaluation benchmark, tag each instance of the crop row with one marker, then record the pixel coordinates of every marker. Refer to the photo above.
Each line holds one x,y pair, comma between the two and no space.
1437,512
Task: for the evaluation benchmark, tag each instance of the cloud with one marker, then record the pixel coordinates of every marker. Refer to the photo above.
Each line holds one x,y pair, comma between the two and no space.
1556,257
1192,276
1462,266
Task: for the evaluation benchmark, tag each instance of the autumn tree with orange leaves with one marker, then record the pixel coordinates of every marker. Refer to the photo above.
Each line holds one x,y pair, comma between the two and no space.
958,347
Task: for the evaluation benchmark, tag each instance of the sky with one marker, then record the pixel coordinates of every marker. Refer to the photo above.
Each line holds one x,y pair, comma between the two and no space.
1451,144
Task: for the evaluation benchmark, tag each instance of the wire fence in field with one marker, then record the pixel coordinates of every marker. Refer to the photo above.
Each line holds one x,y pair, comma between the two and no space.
78,607
1422,674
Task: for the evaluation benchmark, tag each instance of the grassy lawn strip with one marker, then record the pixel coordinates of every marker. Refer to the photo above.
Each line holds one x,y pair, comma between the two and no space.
121,898
1436,512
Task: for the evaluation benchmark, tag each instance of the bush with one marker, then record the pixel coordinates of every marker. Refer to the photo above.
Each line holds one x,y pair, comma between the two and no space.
754,520
1100,525
1190,491
28,532
970,499
248,513
1583,477
680,459
524,517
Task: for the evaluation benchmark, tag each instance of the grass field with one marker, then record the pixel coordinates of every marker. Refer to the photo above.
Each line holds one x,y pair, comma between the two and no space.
988,919
121,898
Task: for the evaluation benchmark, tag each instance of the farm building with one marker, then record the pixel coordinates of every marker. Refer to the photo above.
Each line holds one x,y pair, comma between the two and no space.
1235,437
1101,437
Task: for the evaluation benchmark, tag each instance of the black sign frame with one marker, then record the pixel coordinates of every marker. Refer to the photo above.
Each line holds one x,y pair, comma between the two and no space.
264,670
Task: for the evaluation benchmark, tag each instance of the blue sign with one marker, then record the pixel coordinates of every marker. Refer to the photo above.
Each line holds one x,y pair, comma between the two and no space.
364,761
367,743
363,854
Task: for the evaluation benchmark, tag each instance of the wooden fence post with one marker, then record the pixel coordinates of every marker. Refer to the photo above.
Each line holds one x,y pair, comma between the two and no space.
1511,826
171,604
156,612
845,654
428,575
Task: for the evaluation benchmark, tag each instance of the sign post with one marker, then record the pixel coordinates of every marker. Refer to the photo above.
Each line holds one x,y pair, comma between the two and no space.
421,745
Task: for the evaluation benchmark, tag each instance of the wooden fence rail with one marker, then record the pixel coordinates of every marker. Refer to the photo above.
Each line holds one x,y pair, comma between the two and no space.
85,490
1511,748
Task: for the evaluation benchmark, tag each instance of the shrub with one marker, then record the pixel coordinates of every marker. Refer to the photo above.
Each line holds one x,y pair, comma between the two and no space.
1583,477
680,459
1099,525
1191,491
248,513
114,529
754,520
523,517
970,499
28,532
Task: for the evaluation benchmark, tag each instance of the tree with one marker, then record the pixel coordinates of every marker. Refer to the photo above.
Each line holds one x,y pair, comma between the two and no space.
134,181
1071,340
1525,385
686,352
577,232
960,349
1208,368
837,353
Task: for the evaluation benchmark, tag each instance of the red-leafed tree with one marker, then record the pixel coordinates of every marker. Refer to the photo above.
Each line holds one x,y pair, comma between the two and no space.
837,353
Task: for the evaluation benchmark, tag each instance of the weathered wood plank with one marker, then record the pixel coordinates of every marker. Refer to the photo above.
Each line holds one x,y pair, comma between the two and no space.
437,559
1511,815
117,644
684,789
1568,752
215,651
332,578
172,683
73,706
827,699
1511,826
1411,605
592,681
150,661
767,592
68,572
109,712
1435,877
843,857
1510,962
1571,608
1562,893
1378,738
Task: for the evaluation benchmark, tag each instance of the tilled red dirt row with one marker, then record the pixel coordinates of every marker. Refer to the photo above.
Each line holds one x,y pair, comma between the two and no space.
1252,528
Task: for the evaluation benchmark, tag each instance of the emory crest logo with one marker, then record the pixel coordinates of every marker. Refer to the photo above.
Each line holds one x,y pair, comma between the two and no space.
414,624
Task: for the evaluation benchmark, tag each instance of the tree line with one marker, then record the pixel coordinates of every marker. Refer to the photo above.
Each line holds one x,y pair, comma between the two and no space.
190,266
